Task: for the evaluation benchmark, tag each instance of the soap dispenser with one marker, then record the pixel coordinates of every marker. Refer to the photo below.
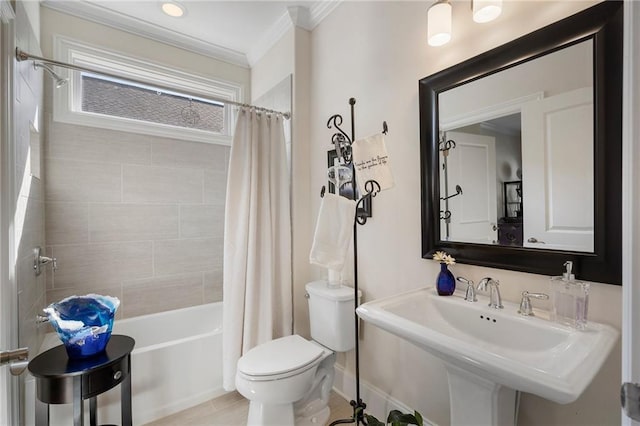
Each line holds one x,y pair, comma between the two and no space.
570,299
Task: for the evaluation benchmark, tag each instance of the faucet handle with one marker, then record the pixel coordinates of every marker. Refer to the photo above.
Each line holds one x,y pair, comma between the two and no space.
525,304
470,295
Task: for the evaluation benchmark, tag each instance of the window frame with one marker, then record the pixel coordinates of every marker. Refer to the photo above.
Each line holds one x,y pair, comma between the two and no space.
67,100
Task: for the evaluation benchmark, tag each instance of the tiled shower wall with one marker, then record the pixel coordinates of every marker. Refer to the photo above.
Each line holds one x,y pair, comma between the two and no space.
28,203
134,216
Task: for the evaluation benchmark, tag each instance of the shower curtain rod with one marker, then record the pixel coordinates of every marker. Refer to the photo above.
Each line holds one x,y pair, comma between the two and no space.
24,56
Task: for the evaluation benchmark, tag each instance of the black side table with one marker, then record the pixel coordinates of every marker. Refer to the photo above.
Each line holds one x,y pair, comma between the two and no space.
60,380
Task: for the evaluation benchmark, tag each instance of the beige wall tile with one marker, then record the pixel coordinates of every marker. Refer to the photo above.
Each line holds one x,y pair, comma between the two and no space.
161,294
183,256
213,286
31,288
201,221
131,222
29,225
177,153
36,189
67,141
29,334
68,180
67,223
88,266
59,294
215,186
161,185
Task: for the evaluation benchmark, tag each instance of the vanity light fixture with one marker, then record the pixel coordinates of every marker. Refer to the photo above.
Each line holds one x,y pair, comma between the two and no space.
486,10
439,23
439,18
173,9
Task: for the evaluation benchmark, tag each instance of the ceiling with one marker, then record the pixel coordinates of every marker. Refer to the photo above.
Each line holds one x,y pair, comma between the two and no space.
239,32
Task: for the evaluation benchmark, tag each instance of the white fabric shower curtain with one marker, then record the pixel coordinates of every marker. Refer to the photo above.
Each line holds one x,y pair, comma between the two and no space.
257,305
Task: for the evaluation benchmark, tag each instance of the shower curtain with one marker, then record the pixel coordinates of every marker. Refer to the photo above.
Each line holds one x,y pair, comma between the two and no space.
257,305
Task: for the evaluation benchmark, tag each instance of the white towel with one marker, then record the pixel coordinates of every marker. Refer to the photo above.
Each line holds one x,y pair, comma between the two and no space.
371,161
334,231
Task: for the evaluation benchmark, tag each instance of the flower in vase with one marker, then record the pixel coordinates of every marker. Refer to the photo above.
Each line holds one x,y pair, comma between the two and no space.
443,257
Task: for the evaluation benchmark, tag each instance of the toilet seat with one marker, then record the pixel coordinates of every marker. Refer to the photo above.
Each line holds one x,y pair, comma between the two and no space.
280,358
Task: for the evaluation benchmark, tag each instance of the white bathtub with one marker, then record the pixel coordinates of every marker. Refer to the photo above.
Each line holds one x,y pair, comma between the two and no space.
176,364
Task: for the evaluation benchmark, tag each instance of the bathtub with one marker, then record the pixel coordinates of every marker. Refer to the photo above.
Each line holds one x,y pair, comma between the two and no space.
176,364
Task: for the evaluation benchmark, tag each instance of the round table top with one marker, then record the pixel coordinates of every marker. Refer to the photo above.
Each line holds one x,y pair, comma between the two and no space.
56,363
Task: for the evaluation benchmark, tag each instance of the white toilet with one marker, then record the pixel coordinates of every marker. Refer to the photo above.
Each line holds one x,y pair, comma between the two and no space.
287,381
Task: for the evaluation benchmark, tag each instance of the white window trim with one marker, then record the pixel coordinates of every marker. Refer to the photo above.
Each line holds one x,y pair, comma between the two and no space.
67,106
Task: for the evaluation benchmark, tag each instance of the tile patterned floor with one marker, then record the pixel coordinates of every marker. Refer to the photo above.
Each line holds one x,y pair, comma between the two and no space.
231,410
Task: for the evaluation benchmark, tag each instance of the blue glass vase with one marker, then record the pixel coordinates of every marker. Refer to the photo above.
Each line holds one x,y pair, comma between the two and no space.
83,323
446,282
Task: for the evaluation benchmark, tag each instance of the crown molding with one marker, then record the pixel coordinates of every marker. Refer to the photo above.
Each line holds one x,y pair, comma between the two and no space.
302,17
96,13
299,16
320,10
270,38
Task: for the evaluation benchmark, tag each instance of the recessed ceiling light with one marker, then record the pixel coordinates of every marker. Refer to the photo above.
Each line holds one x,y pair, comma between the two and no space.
173,9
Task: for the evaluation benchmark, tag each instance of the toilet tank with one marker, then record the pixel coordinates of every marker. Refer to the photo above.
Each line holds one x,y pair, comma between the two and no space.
331,315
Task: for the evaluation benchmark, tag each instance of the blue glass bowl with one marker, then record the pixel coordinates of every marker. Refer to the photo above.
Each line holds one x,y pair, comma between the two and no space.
83,323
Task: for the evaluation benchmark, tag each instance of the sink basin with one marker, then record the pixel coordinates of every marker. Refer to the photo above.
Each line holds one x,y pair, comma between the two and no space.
497,348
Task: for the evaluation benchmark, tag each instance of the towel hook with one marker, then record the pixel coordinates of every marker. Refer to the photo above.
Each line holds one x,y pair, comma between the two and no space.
458,192
322,191
385,128
340,139
446,145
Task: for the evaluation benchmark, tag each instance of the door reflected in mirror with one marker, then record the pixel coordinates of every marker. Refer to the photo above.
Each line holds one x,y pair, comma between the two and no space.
516,155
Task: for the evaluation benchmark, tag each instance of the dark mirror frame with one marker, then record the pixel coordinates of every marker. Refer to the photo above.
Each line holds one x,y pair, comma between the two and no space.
602,23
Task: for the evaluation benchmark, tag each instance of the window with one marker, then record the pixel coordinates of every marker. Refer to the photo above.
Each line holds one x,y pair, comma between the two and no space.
160,106
119,98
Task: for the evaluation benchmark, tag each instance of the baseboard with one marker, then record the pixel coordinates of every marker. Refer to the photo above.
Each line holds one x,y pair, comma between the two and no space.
156,413
378,402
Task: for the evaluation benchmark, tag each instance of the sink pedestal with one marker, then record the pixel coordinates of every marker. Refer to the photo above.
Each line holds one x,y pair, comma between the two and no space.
477,401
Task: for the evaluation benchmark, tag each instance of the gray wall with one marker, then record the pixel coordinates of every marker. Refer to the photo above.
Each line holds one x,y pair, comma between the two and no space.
134,216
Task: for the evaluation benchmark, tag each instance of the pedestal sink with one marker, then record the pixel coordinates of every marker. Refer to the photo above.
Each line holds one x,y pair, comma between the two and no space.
492,353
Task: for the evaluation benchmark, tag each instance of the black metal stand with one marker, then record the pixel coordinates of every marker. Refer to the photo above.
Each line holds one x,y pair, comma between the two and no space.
342,143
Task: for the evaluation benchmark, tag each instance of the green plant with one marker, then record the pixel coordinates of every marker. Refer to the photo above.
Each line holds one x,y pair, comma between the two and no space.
396,418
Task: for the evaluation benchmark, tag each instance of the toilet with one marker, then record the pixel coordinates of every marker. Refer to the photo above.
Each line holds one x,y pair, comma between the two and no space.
287,380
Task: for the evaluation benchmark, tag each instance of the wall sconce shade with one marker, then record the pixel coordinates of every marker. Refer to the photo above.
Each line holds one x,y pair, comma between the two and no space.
439,23
486,10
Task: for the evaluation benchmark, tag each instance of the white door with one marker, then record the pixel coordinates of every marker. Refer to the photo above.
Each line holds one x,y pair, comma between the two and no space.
557,165
471,165
631,208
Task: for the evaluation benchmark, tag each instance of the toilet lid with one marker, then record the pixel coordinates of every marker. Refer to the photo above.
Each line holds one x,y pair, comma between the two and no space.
279,356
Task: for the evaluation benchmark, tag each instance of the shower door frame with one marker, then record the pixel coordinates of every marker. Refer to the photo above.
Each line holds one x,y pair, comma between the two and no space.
10,401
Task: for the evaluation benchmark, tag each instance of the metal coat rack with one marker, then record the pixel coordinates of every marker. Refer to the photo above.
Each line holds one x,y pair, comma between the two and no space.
342,142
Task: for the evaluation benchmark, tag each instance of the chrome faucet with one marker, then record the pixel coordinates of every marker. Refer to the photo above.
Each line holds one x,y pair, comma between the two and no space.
470,294
495,300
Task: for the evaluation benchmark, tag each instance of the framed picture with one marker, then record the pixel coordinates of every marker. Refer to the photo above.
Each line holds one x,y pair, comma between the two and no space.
349,189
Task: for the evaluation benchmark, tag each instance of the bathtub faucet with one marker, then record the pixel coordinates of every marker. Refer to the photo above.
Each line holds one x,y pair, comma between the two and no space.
41,319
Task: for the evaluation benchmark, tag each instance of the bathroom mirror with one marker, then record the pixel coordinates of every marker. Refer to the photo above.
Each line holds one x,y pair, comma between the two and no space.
521,151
